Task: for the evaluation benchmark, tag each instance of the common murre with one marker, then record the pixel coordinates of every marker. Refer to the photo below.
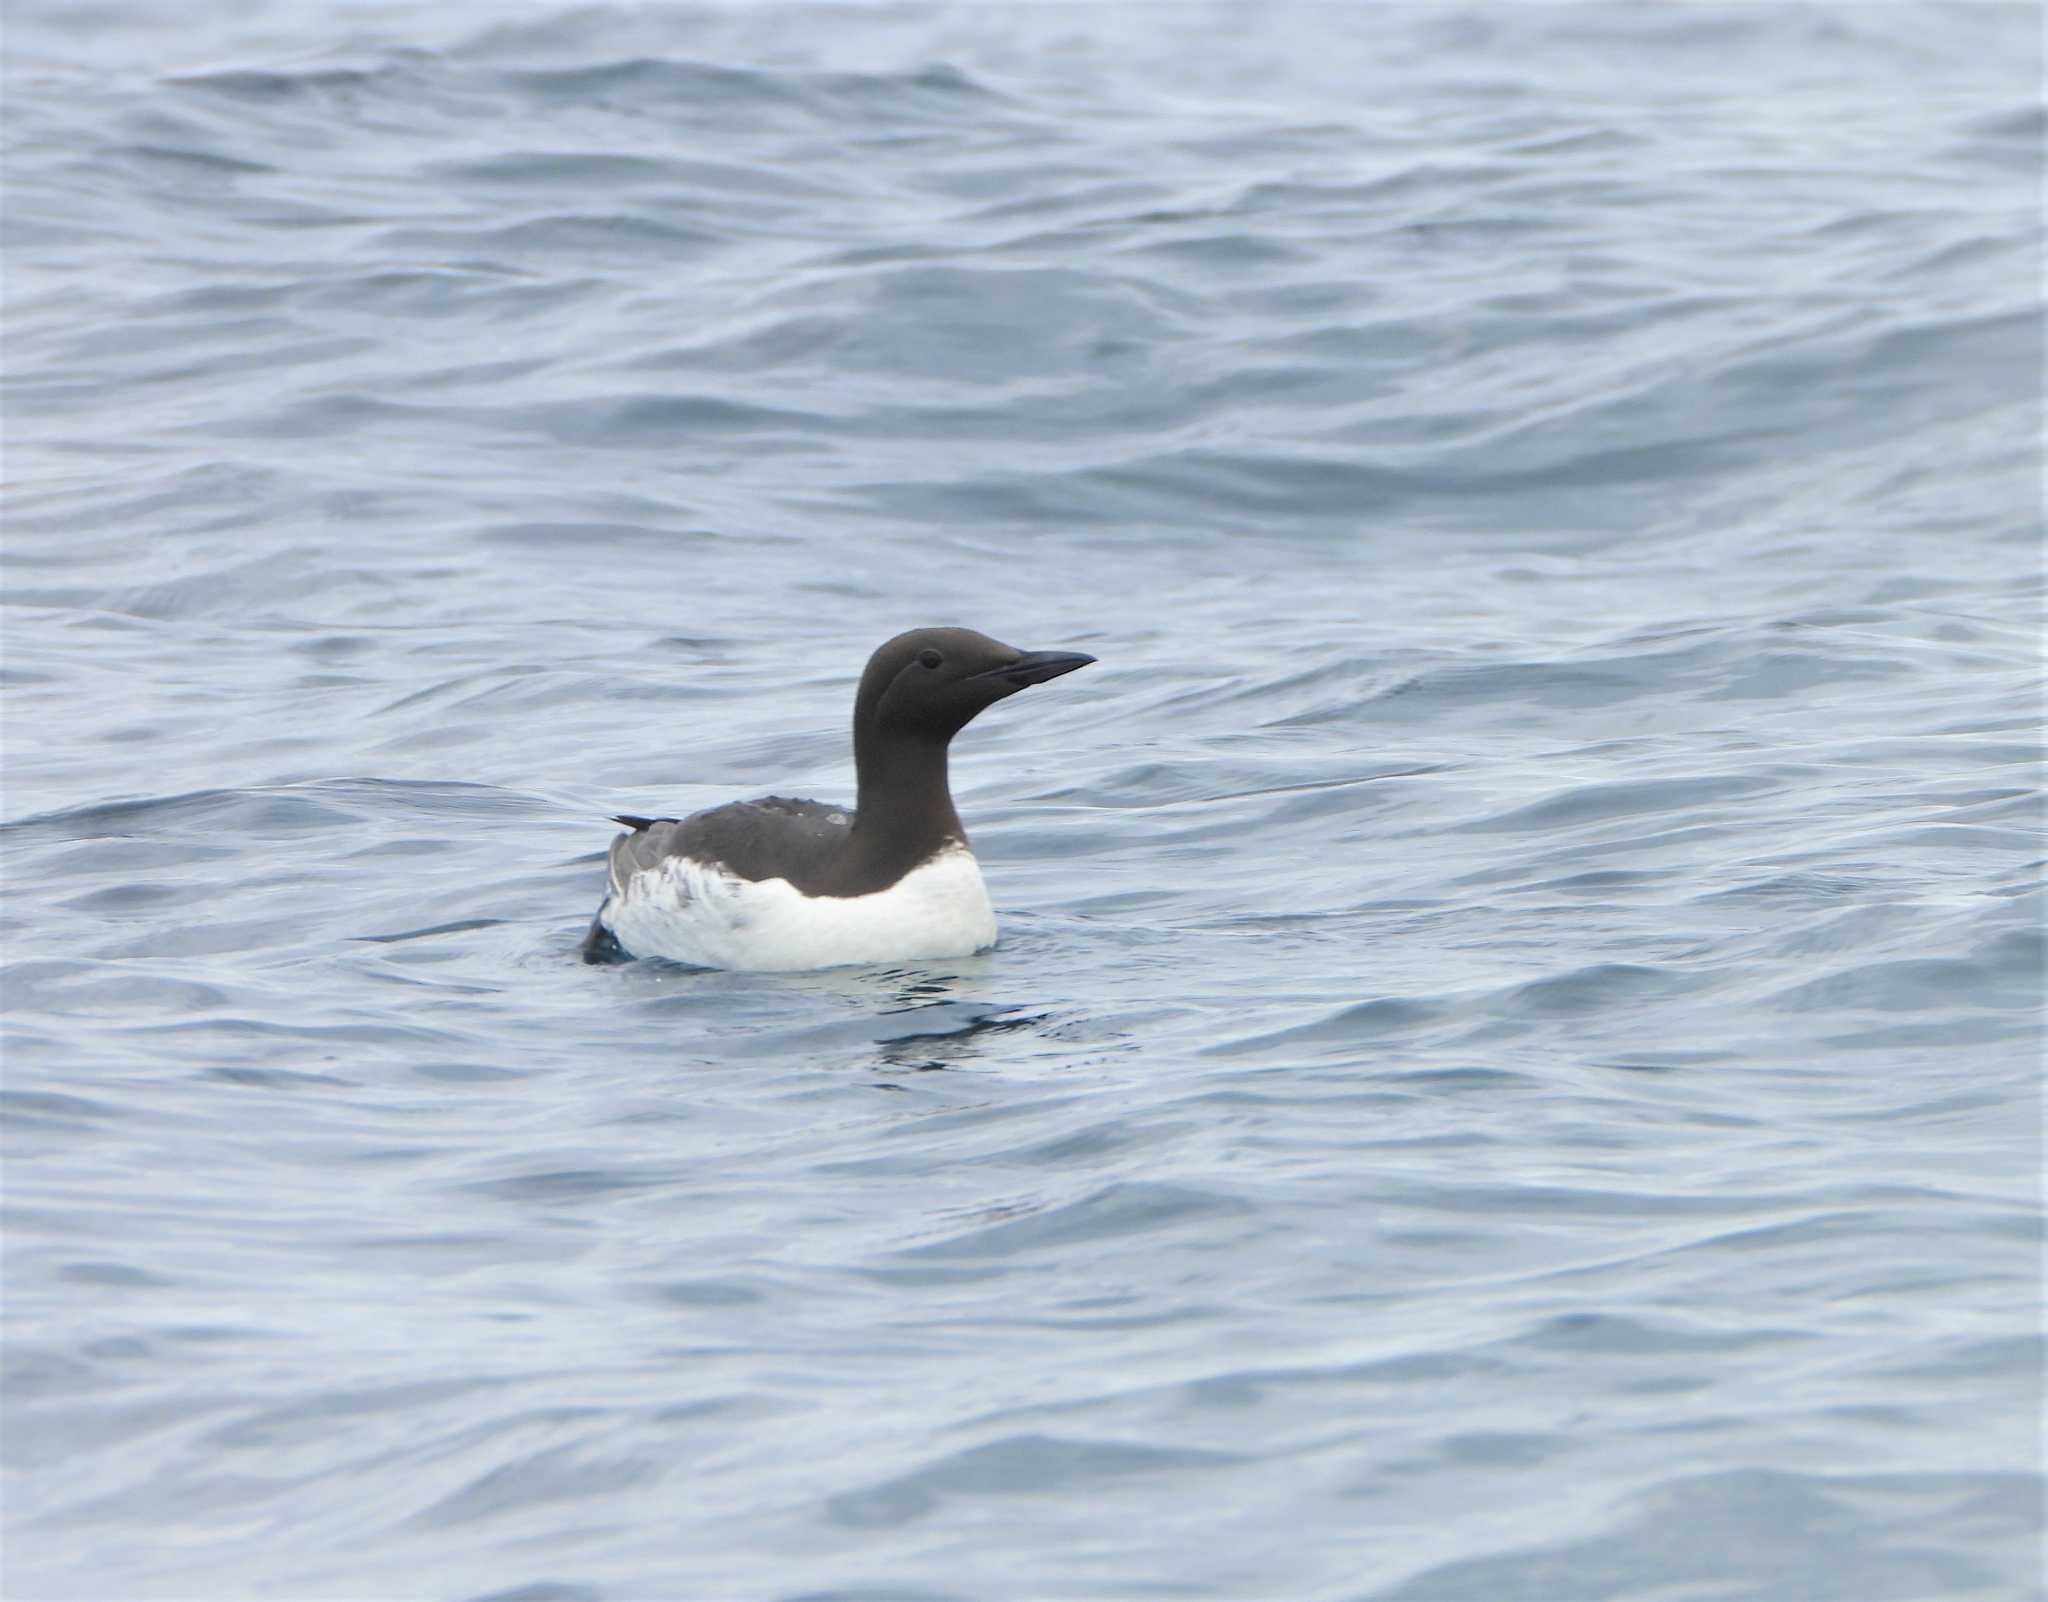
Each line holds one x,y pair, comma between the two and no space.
785,884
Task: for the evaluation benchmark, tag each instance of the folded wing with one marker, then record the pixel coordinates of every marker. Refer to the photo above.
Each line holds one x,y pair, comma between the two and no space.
776,837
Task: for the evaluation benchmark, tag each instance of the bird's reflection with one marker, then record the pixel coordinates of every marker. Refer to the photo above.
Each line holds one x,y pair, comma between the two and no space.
935,1022
892,1021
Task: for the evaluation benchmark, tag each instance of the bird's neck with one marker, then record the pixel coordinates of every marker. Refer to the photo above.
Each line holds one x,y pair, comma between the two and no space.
904,810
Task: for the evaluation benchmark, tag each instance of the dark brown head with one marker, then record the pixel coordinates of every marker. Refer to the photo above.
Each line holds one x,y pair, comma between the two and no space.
928,685
920,690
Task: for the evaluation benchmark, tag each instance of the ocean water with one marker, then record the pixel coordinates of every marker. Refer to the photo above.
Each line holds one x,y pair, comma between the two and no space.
1512,1072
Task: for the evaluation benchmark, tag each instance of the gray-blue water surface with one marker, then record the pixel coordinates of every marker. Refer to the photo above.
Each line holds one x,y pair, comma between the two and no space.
1512,1067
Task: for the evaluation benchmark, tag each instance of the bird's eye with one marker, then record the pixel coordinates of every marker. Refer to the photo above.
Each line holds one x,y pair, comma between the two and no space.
930,659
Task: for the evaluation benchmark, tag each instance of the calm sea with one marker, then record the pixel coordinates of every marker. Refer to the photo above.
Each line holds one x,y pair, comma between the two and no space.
1513,1069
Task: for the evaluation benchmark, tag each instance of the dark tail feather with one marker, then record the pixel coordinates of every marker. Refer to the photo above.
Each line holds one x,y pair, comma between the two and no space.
601,945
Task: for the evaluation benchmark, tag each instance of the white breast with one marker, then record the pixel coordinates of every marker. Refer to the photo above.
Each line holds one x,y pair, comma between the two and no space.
694,912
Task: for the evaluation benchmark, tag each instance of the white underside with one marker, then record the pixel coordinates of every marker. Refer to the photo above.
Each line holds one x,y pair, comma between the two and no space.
694,912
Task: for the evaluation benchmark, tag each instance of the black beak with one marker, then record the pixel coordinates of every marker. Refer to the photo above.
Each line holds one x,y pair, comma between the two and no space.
1035,667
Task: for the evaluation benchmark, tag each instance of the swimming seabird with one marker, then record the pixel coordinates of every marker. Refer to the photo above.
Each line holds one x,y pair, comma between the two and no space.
785,884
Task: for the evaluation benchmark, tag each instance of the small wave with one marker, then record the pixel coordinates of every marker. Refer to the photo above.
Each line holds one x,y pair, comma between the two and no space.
1114,1212
1015,1465
1629,798
1363,1023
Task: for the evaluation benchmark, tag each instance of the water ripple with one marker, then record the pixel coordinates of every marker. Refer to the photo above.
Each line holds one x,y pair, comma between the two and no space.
1512,1065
